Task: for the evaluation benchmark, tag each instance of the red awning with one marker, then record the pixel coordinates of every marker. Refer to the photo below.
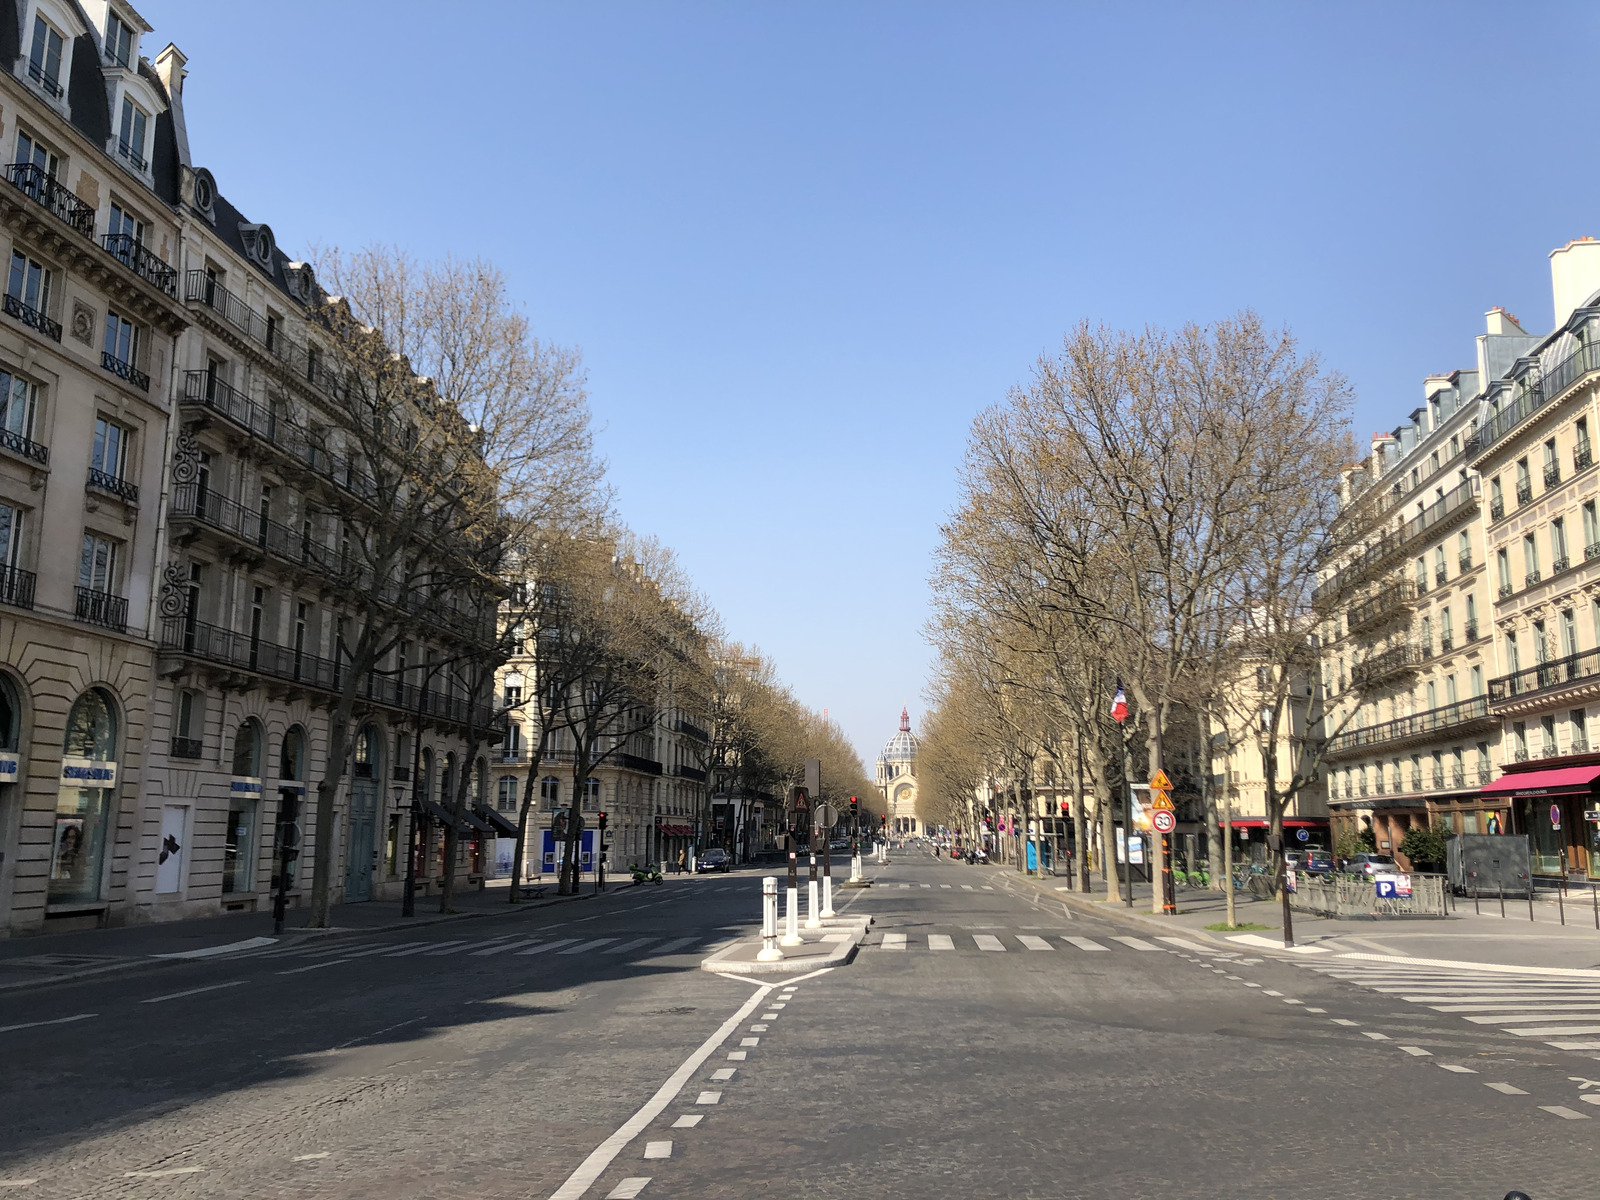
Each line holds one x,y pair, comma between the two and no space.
1561,781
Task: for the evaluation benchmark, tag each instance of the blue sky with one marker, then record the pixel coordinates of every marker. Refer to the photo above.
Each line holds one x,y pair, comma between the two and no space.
800,246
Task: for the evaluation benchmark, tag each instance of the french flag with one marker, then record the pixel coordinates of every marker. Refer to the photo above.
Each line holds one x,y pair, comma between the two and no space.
1119,705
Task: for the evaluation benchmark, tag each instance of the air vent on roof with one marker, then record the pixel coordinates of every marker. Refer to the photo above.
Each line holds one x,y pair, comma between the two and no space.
258,243
205,193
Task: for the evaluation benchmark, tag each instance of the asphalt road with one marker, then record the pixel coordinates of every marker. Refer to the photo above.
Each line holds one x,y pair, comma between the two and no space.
985,1042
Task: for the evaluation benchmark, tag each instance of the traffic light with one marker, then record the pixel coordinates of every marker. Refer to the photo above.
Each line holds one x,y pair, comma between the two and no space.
1065,807
799,802
855,808
602,820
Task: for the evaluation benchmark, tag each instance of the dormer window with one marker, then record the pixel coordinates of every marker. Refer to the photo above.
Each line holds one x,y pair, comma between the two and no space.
44,60
130,142
119,42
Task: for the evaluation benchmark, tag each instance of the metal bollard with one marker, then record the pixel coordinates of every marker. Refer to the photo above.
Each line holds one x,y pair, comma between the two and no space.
769,920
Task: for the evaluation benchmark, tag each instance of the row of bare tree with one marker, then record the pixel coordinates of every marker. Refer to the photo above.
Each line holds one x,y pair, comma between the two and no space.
1153,508
460,466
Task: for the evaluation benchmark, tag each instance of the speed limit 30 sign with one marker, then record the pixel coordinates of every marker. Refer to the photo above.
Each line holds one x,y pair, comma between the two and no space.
1163,821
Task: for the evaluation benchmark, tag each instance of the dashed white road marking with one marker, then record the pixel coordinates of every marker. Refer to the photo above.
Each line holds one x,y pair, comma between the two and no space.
309,1157
945,886
673,946
708,1098
18,1183
1033,942
501,949
1506,1089
194,991
56,1021
987,941
940,941
1135,943
585,947
658,1149
1083,943
894,941
1562,1111
420,948
929,885
332,962
1345,1022
626,946
629,1188
688,1120
758,1029
750,1041
544,946
967,887
162,1173
737,1055
722,1076
1377,1037
1457,1068
1315,1010
1417,1051
987,888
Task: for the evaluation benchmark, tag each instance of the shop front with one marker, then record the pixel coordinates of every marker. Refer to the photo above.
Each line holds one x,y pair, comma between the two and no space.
1557,809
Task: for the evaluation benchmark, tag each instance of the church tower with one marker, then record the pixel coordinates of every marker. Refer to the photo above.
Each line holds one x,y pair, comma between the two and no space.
897,779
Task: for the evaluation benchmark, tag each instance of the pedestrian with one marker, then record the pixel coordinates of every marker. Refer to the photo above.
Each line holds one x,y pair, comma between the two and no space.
683,861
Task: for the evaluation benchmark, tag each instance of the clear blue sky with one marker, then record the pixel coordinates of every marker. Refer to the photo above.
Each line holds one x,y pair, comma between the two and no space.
800,245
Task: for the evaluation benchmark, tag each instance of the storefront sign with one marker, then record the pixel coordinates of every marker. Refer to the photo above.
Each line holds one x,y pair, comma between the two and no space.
1555,816
10,765
245,787
88,773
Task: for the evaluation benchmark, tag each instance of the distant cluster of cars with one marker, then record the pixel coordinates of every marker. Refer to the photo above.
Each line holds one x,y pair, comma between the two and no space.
1322,862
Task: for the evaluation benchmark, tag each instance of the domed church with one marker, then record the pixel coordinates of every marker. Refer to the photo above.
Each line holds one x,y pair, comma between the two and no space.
897,777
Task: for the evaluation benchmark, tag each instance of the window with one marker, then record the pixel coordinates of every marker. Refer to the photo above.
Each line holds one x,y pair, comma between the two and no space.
591,794
1439,571
1549,453
1581,450
122,339
1569,633
44,59
34,153
1422,574
83,804
1577,732
1503,565
1427,637
1497,497
130,143
1446,630
1524,482
1433,695
189,723
1547,735
119,42
29,284
1591,531
10,537
110,453
125,233
1513,653
506,798
1472,616
1450,689
549,793
97,570
1477,681
1558,544
1530,558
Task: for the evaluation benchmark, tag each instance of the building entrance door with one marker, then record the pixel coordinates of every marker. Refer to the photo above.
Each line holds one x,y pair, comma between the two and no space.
358,857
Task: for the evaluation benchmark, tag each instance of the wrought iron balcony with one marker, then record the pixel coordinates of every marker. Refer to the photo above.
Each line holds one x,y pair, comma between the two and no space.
633,762
1384,606
102,608
1464,563
691,729
1448,717
32,317
1447,506
1497,509
1446,643
1441,577
1471,630
1422,585
1525,492
1552,474
1560,564
1391,662
42,188
1531,578
26,447
684,771
1556,673
120,488
125,370
16,587
1582,459
44,79
183,747
131,253
1592,550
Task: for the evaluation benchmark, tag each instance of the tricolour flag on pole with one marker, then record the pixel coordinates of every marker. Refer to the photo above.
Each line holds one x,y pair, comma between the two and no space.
1119,705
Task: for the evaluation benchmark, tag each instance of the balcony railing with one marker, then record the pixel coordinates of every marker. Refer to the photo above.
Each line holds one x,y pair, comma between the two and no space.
125,370
32,317
1464,564
1422,585
296,359
1552,474
241,651
1382,607
1446,643
1558,565
16,587
184,747
1531,578
1471,631
120,488
1582,459
131,153
1525,492
26,447
1592,550
1390,662
1446,506
130,252
691,729
1441,577
42,188
102,608
684,771
1434,720
1497,509
44,79
1506,590
634,762
1556,673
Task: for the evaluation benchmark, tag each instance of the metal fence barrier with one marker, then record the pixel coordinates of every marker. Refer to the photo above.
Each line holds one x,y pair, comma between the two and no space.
1347,897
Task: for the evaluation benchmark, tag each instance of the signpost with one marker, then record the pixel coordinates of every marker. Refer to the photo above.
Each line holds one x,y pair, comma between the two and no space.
1163,820
827,818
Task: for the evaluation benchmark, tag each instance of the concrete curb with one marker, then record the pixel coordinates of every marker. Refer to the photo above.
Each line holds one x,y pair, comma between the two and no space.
842,953
1120,912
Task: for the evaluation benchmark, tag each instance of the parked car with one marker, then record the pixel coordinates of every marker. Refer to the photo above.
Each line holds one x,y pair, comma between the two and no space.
714,859
1372,864
1318,862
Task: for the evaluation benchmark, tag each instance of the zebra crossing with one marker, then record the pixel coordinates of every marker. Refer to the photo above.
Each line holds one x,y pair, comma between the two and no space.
1560,1008
1001,942
512,946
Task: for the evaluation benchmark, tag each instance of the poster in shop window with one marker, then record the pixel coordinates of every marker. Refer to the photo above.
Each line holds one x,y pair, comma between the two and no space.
554,853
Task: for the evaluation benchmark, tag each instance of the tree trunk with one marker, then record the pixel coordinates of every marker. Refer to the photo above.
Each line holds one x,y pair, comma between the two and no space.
327,795
1080,831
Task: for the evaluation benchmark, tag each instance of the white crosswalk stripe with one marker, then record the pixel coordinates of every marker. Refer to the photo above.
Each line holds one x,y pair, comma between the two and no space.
1034,942
1533,1004
987,941
998,943
1083,943
940,941
894,941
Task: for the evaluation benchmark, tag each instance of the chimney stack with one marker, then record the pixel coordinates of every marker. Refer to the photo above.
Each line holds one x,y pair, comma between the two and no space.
1574,276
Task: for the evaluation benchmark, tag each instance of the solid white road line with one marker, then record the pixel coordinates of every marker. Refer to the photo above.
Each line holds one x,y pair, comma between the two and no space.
1083,943
1576,1046
194,991
940,941
1556,1031
1136,943
629,1188
894,941
56,1021
542,947
1513,1018
600,1158
1492,968
987,941
1034,943
1517,1006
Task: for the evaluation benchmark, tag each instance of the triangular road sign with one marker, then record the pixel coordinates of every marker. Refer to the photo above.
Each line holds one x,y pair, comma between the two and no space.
1160,782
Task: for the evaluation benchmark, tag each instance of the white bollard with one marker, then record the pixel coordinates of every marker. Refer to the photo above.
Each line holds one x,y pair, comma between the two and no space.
827,895
769,920
791,918
813,921
855,867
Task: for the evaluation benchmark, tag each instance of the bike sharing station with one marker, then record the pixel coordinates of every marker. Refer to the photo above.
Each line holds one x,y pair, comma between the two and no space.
823,938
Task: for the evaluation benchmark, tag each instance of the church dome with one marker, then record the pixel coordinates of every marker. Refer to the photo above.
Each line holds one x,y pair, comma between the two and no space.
902,747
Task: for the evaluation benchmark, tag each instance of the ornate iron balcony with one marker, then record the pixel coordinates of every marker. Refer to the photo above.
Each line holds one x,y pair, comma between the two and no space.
1505,590
16,587
1555,673
1525,492
183,747
42,188
1464,563
1531,578
120,488
1559,565
1592,550
1582,458
1497,509
26,447
102,608
1552,474
131,253
124,370
32,317
1471,631
1446,643
1441,577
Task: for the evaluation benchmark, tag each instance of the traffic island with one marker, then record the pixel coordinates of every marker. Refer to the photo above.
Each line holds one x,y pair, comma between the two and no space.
833,948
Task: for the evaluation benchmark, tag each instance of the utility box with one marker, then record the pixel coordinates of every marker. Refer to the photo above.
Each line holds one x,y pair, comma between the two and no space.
1490,863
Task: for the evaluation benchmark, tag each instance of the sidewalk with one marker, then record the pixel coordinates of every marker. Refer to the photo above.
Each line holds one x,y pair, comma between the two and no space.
1464,936
53,958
